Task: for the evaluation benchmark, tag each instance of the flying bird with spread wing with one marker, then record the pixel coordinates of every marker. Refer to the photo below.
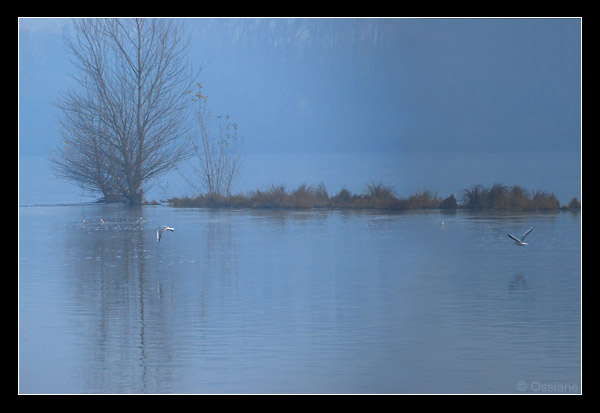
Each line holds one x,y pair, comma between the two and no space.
520,241
161,230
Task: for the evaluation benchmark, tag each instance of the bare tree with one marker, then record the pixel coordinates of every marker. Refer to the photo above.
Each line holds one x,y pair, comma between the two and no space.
217,148
126,123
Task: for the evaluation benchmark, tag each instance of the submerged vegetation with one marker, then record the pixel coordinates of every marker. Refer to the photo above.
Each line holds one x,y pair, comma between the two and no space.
379,196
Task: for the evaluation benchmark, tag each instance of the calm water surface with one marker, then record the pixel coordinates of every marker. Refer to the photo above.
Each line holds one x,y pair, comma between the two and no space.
297,301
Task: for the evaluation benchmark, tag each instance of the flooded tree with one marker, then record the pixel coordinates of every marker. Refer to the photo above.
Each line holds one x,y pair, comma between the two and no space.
126,123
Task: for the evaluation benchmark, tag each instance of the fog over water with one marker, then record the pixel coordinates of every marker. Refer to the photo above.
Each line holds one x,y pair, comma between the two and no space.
418,103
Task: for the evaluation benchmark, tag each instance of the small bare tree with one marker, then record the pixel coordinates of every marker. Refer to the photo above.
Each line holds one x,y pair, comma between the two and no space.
217,148
126,123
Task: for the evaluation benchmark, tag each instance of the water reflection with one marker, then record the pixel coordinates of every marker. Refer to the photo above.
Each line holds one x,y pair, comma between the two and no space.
295,301
142,300
518,283
108,267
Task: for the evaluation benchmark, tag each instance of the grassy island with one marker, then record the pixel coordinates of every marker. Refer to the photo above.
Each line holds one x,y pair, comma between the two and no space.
381,197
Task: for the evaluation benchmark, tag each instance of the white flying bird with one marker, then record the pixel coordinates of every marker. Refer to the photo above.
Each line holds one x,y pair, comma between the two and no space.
160,231
520,241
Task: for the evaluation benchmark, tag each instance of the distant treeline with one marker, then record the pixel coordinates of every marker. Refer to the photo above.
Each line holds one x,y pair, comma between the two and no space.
379,196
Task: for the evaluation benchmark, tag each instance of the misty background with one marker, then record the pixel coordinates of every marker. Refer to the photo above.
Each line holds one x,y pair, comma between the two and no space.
437,104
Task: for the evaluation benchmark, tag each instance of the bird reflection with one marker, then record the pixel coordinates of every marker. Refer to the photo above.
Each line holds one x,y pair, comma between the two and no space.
519,282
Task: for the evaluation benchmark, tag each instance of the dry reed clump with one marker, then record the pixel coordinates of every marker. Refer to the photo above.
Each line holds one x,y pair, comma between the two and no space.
380,196
423,200
504,197
342,199
573,204
274,197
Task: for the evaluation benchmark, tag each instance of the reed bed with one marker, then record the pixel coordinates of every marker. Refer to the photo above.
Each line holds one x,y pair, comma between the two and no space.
381,197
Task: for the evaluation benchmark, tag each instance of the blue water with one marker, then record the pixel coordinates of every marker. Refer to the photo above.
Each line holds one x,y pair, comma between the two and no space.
246,301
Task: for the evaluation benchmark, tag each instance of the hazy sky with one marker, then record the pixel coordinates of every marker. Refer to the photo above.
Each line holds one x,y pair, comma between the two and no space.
356,84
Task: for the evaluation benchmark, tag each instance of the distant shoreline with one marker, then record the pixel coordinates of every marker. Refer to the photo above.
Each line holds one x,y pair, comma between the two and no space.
380,197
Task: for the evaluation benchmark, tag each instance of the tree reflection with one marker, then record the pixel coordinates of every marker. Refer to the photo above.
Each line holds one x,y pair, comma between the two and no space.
114,287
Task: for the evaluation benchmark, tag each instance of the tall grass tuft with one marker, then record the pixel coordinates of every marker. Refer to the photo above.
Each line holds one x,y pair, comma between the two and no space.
342,199
574,204
423,200
274,197
380,196
503,197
